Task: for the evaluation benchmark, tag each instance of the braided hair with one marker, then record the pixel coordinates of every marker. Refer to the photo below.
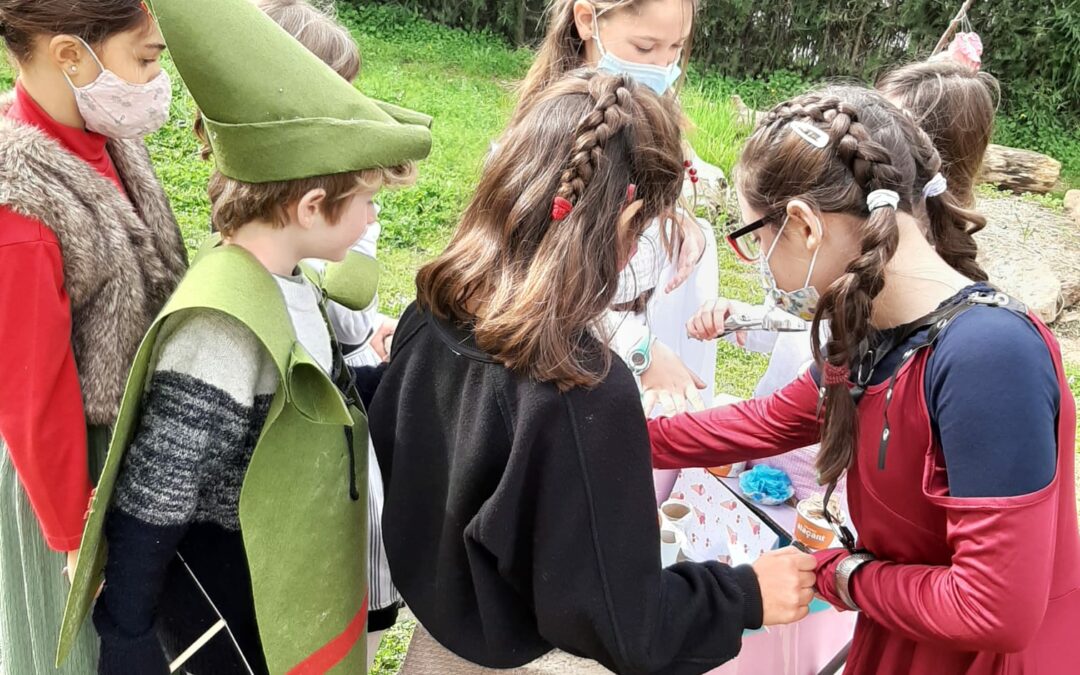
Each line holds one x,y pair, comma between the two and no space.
955,106
533,286
871,146
608,117
952,225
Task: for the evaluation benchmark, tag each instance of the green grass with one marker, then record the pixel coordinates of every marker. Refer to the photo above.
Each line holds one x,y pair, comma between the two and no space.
466,82
717,135
718,131
737,370
395,643
1052,201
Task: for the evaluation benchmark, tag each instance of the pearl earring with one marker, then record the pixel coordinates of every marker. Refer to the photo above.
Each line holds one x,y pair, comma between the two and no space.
74,69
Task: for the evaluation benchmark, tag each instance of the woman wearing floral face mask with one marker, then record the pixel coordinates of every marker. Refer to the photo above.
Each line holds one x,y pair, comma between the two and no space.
675,269
89,252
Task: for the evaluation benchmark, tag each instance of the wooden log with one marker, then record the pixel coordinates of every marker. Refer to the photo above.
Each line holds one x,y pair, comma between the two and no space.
1019,170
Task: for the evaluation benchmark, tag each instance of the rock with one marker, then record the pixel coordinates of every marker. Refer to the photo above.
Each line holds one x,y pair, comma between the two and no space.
1072,205
1070,316
1019,170
1032,251
1070,292
1029,281
746,114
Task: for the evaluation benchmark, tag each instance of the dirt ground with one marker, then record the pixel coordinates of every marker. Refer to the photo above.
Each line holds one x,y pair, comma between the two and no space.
1039,240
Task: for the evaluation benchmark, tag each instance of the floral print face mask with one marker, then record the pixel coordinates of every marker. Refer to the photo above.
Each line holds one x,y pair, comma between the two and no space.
114,107
801,302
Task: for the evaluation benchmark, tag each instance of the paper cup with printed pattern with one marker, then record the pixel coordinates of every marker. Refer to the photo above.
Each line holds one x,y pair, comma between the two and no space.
811,528
728,470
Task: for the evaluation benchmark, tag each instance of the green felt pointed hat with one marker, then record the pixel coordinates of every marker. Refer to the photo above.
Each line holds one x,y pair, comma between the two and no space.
273,110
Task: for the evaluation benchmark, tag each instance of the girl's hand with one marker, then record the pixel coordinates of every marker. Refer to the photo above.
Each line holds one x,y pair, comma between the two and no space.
380,342
708,323
786,578
690,251
670,384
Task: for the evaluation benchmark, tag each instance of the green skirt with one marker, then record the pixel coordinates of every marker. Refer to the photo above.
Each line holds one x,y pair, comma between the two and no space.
33,589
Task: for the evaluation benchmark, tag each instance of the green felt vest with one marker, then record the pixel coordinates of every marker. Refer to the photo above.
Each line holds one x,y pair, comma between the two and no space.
303,522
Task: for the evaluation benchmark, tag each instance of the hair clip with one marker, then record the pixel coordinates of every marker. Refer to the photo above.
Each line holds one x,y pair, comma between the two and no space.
882,198
935,186
811,134
561,208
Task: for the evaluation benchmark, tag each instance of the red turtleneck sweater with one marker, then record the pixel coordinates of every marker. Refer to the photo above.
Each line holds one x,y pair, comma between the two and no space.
41,408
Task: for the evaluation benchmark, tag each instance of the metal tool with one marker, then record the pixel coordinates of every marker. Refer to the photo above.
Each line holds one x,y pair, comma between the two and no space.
773,320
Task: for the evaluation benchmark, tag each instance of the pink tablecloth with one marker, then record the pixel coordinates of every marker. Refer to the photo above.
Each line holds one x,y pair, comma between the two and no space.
726,529
803,648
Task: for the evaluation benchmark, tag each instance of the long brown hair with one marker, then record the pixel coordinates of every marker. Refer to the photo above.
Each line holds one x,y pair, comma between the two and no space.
532,288
563,49
91,20
955,105
872,145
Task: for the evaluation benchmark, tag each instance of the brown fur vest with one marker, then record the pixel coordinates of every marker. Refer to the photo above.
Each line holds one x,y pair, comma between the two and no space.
122,259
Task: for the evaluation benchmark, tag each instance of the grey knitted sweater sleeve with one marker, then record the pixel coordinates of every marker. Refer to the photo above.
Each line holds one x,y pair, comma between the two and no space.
201,416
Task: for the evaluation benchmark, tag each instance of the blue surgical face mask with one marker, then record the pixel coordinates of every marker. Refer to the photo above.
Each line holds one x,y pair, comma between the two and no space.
658,78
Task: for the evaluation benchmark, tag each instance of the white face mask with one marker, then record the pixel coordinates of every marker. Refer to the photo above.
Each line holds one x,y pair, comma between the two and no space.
114,107
658,78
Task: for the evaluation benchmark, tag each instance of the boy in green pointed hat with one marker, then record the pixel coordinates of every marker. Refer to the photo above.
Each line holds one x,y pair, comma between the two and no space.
232,497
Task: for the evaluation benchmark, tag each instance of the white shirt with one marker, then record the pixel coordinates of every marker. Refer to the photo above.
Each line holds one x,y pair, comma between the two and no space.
302,300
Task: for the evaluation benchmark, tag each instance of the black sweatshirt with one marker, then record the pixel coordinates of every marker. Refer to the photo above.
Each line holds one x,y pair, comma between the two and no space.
518,518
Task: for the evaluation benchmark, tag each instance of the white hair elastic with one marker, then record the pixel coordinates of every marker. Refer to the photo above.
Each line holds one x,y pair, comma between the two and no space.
935,186
881,198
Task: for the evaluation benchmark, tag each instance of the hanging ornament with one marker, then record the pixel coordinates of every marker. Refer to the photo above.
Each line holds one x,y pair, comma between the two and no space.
966,49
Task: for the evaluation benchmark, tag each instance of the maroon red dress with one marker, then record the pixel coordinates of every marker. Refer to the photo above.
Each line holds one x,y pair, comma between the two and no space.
962,585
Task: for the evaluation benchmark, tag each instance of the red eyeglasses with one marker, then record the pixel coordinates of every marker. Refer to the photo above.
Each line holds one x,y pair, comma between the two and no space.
745,243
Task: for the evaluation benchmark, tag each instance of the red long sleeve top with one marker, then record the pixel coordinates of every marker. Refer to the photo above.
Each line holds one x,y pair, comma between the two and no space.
41,407
972,585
